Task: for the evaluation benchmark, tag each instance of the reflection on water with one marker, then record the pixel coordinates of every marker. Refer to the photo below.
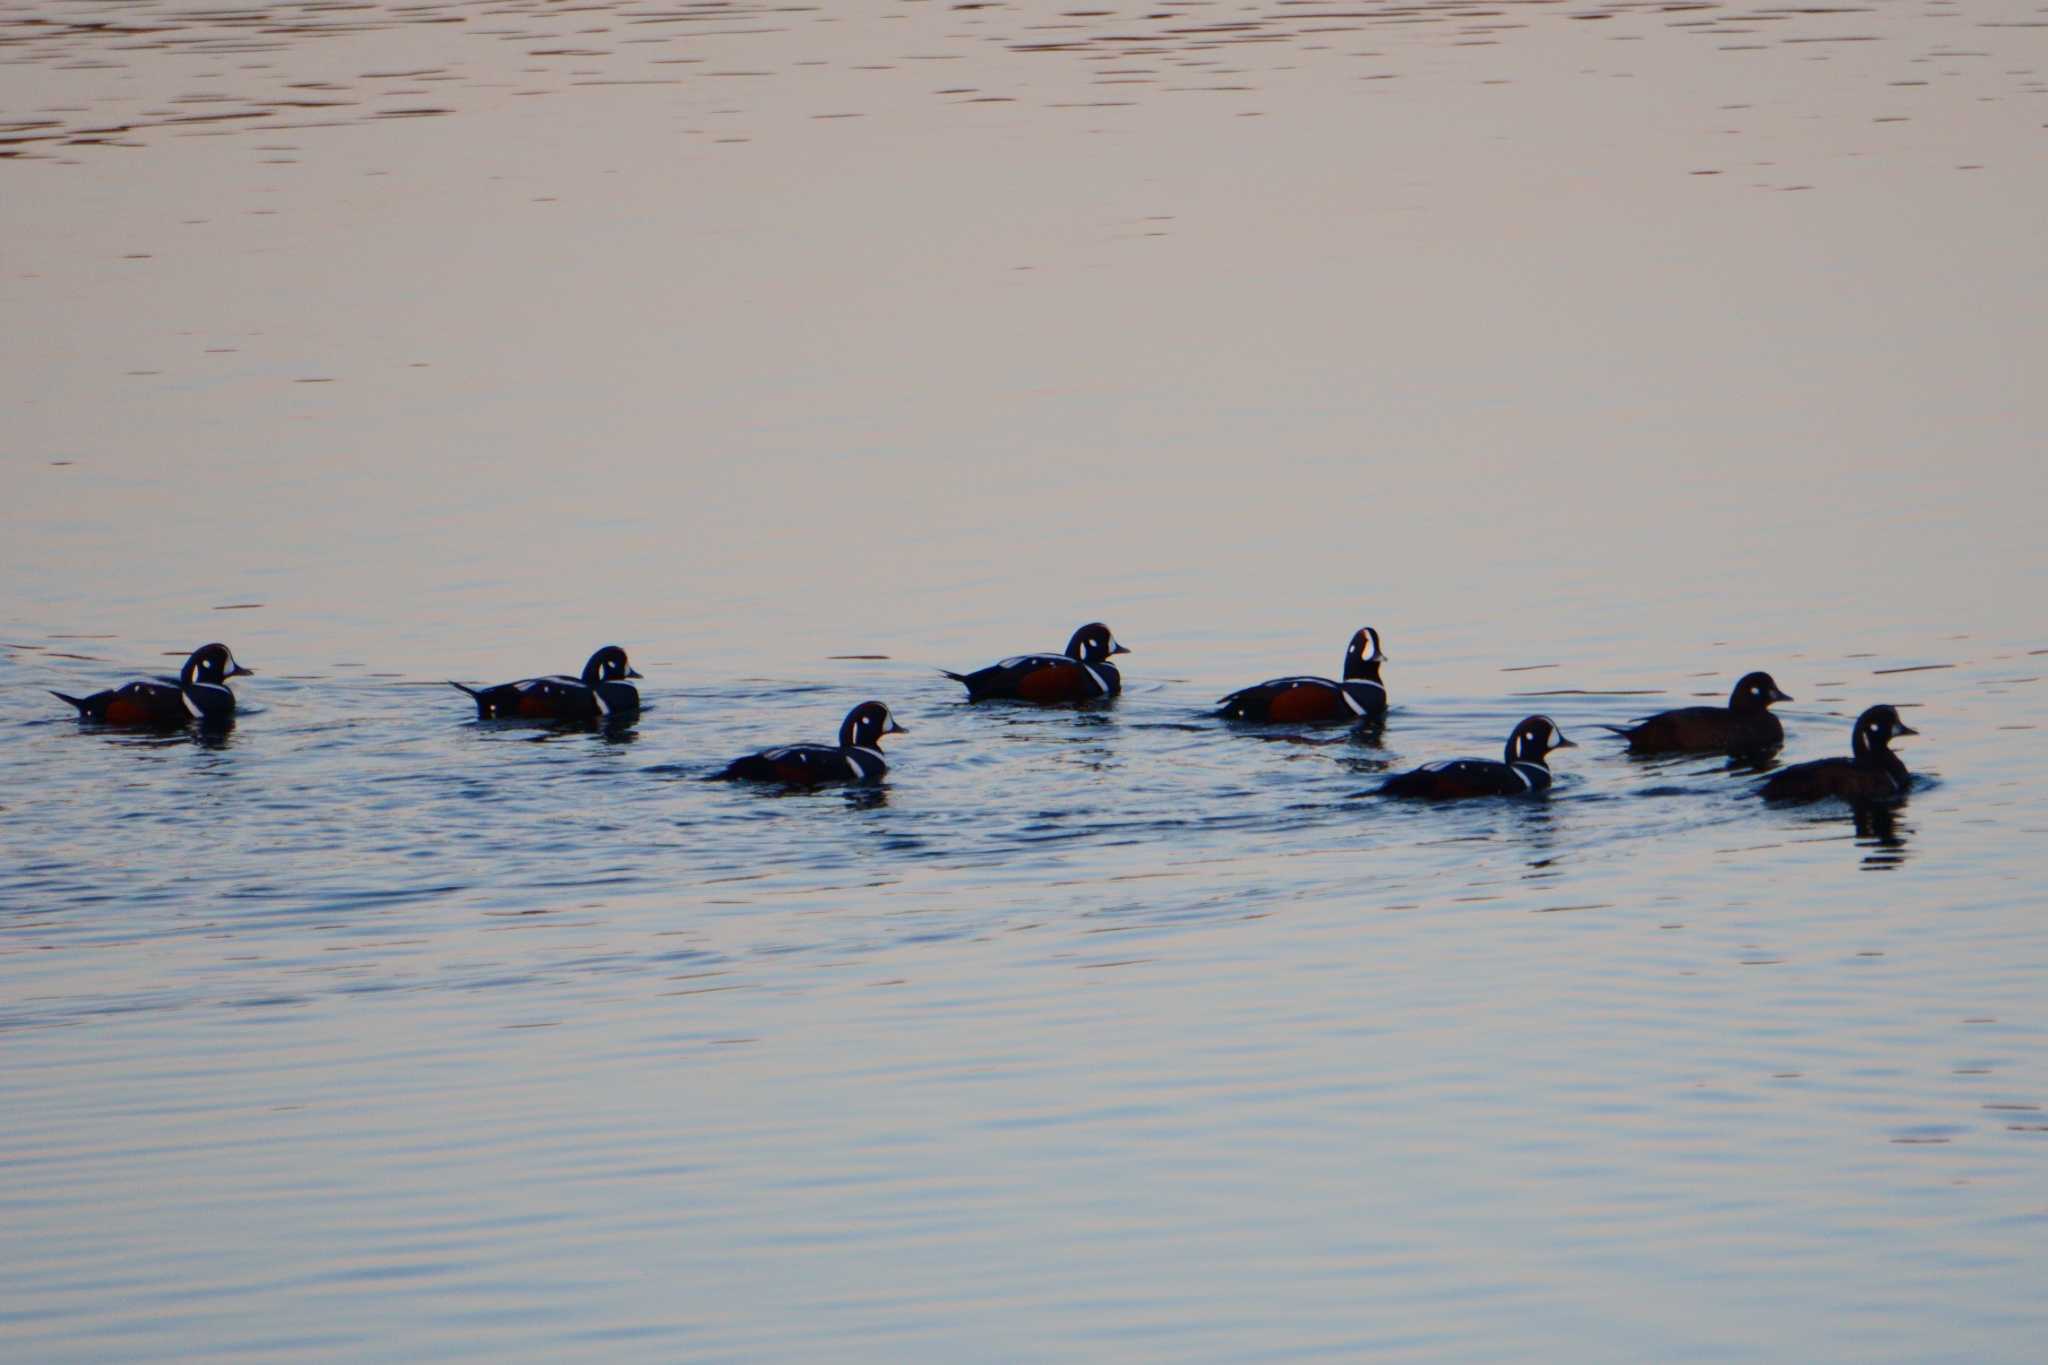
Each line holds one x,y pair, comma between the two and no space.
163,68
218,736
382,1028
1878,829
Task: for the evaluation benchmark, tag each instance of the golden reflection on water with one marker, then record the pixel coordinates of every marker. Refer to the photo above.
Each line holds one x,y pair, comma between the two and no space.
911,383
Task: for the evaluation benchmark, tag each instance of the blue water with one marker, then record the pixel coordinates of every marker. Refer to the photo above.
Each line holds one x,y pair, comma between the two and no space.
375,1029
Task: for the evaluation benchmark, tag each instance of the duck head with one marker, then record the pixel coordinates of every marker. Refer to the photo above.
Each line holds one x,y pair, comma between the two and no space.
865,725
1535,738
1755,692
1876,729
213,663
1362,659
608,665
1093,644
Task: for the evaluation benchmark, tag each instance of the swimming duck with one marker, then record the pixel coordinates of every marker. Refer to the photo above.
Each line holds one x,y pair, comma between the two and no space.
1361,697
1872,772
1083,673
199,693
856,758
602,693
1744,725
1522,771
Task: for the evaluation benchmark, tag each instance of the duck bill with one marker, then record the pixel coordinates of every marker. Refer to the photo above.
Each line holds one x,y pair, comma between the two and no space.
634,673
1116,648
1560,742
237,671
1903,729
894,728
1780,694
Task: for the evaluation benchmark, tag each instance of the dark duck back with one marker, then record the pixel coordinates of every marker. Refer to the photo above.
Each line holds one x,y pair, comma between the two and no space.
856,758
603,692
1522,771
1744,725
1872,772
1083,673
1361,698
199,693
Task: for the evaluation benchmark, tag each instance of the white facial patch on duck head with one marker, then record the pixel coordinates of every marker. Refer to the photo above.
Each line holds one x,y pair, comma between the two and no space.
1538,736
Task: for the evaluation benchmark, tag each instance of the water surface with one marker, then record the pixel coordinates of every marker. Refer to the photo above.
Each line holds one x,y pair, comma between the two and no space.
1595,355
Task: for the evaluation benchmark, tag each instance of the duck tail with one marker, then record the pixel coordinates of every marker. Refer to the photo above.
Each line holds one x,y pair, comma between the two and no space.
73,700
469,691
1623,730
974,693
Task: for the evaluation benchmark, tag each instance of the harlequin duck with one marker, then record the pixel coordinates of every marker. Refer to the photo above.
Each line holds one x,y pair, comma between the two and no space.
858,758
1522,771
602,693
1083,673
1744,725
200,692
1361,697
1872,772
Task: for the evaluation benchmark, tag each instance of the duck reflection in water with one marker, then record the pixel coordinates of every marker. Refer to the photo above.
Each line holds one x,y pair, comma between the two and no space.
1535,824
1875,826
1878,831
610,733
212,738
1366,734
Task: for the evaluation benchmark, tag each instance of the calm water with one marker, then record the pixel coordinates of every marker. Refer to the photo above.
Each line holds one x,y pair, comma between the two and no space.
1596,356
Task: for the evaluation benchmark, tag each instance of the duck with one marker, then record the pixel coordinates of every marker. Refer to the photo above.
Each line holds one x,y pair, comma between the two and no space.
602,693
1744,725
1083,673
1872,772
1523,771
199,693
1360,699
856,758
